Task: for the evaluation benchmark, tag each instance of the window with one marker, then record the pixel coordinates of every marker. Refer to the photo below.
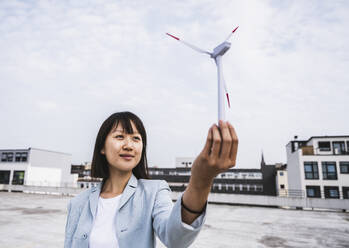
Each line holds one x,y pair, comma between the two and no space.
324,146
259,188
3,157
7,157
344,167
4,177
346,192
281,173
311,170
21,156
331,192
18,178
18,157
282,186
313,191
338,147
329,171
10,157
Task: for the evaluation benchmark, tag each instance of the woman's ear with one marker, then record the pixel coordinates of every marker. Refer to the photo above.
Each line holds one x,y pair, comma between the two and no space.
102,151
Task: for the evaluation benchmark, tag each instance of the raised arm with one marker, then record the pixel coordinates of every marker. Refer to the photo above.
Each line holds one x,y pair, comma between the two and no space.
218,155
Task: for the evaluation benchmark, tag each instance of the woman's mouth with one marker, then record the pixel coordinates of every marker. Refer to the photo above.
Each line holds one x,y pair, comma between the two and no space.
126,156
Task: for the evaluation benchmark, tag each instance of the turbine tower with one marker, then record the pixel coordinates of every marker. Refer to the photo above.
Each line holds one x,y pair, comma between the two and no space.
217,54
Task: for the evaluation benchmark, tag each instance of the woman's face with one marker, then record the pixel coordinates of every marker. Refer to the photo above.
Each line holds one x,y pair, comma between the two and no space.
123,151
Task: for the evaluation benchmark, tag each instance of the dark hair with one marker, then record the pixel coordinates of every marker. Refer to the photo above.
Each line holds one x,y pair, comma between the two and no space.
99,166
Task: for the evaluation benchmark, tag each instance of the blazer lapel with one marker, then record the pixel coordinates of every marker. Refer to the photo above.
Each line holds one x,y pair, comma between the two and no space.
94,199
128,191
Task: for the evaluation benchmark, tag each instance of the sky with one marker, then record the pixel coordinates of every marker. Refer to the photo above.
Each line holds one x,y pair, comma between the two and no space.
65,66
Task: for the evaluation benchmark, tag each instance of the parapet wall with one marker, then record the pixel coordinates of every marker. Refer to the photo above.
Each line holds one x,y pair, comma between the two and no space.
221,198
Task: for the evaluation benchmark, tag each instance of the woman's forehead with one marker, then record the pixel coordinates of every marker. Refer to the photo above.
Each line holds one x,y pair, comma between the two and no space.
130,127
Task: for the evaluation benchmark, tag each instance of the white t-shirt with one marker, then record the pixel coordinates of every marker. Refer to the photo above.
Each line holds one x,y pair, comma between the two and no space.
103,234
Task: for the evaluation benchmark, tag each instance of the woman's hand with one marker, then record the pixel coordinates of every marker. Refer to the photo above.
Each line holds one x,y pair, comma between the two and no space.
218,155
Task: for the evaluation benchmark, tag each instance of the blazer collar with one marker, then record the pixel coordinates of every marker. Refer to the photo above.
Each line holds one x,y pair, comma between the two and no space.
126,194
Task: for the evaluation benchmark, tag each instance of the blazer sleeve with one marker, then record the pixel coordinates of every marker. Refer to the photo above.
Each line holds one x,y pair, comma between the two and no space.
167,220
67,236
73,215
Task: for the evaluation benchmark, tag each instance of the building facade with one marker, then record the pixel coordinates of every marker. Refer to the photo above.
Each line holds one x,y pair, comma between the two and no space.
35,166
84,175
234,181
319,167
281,180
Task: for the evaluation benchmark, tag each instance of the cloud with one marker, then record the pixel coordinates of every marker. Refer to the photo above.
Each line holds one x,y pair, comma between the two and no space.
77,62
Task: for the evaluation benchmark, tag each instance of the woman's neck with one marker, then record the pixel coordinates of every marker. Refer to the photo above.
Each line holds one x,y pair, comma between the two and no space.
115,184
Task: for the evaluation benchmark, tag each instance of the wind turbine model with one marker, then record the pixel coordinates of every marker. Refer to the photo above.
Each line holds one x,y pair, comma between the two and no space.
217,54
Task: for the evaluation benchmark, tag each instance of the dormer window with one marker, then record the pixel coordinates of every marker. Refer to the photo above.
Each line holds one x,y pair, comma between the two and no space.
324,146
338,147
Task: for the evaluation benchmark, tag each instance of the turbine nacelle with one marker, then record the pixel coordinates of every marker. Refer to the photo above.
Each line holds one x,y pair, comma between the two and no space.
221,49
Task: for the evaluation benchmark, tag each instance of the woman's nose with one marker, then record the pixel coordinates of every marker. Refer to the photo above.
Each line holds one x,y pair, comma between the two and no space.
128,144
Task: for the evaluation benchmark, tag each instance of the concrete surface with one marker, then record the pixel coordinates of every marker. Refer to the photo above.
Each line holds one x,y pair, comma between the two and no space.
33,220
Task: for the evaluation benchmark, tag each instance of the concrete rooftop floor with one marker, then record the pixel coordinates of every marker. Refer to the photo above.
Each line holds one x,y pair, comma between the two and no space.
33,220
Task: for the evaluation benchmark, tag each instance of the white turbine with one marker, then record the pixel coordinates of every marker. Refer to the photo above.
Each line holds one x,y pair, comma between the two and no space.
217,54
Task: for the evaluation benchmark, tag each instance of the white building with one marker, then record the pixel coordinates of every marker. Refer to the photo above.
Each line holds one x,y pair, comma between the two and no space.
319,167
185,162
281,179
35,167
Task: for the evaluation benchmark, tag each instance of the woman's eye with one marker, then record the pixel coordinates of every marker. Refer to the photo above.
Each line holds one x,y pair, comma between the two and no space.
137,138
119,136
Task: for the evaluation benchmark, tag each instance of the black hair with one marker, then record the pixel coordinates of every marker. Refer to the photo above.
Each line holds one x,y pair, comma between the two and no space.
99,166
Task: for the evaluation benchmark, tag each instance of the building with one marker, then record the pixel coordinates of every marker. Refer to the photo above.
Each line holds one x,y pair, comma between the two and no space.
184,162
281,180
234,181
84,175
319,167
35,166
83,170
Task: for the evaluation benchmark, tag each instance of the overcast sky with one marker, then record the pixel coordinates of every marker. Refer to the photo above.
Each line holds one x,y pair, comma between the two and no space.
65,66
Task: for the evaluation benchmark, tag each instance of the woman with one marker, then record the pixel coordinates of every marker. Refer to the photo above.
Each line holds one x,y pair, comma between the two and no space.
127,208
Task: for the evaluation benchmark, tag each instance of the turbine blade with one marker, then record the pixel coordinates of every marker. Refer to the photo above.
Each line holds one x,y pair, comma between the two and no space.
189,45
231,33
174,37
228,99
226,93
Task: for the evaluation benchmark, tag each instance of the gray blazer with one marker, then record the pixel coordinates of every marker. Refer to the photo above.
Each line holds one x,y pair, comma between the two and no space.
145,207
